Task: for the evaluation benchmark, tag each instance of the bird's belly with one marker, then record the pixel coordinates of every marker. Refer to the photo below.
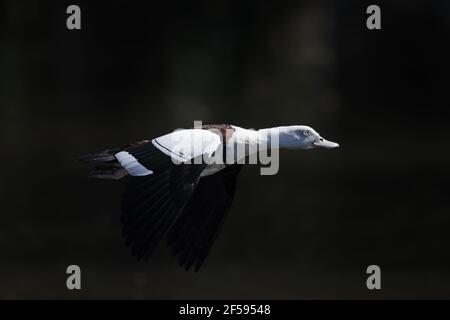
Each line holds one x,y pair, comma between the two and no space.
211,169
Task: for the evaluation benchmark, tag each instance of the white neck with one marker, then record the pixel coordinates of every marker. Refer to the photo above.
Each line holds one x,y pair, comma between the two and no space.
275,137
253,141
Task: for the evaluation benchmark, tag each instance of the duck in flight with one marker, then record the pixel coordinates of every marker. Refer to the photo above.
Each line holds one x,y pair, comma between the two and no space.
178,187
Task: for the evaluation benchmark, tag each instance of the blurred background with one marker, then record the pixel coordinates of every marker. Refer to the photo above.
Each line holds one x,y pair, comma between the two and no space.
138,70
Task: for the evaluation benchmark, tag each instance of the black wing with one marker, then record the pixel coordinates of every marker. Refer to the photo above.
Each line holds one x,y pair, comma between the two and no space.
152,203
174,200
201,219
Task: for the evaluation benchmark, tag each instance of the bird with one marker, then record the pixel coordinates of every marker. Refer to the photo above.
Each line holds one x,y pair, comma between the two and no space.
181,185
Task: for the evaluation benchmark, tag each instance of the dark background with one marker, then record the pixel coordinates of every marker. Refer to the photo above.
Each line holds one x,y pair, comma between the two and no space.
142,69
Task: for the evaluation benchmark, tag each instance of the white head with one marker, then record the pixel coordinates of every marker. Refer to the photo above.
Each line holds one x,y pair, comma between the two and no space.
302,137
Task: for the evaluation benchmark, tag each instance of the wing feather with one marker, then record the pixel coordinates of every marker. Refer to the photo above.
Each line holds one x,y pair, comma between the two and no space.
201,219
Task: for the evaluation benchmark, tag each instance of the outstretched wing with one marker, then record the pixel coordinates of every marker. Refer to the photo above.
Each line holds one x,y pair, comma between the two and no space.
176,202
165,197
152,202
200,221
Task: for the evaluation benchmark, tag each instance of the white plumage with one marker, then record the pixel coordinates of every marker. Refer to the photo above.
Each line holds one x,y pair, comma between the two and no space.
131,165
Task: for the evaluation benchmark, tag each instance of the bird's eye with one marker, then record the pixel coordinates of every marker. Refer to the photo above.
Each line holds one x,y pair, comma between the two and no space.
306,133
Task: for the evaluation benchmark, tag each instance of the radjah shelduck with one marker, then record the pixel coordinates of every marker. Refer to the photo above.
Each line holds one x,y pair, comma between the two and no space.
181,185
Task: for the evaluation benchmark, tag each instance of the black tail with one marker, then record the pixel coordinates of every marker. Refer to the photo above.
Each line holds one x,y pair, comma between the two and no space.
105,165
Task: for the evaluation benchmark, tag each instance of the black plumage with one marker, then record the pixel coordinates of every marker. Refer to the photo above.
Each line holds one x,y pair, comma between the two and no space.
201,219
175,202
